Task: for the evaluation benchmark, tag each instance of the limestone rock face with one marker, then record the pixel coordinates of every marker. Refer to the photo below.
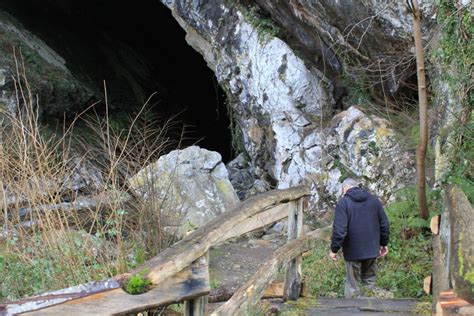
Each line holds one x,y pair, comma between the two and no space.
280,103
366,147
46,72
332,33
243,178
276,98
189,186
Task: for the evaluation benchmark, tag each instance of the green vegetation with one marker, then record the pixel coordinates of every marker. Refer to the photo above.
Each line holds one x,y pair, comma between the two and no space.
235,130
32,271
215,284
454,54
323,276
137,284
265,26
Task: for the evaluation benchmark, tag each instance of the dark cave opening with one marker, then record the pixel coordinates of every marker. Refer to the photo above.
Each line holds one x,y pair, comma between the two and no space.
137,48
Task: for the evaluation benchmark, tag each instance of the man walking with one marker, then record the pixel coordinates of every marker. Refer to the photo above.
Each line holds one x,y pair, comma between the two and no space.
362,229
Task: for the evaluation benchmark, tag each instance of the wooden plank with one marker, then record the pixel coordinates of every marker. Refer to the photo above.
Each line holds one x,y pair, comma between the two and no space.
58,297
274,290
427,285
249,294
440,271
459,239
259,220
197,306
181,254
434,224
363,306
187,284
450,304
292,288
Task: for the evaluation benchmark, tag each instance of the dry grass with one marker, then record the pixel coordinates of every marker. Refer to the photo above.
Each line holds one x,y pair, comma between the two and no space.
68,216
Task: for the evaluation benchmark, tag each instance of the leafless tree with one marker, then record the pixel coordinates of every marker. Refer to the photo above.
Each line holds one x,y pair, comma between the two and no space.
423,106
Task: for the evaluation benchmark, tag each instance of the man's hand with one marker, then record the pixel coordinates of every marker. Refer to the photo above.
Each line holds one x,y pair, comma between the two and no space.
333,255
383,251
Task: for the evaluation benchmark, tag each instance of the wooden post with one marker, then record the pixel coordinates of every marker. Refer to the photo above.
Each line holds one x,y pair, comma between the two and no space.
434,224
293,273
198,306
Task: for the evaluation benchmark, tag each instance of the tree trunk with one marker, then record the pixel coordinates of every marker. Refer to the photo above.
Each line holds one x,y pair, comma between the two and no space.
423,101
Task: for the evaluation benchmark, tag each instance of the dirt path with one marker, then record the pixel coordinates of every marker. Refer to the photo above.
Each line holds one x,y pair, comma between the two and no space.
232,263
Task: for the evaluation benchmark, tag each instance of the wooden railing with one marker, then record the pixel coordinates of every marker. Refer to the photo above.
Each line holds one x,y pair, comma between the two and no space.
180,273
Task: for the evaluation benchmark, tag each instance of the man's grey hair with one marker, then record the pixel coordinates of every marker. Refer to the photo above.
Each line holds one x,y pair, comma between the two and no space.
349,182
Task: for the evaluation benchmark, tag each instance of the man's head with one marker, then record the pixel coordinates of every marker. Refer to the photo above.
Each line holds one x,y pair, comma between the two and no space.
348,184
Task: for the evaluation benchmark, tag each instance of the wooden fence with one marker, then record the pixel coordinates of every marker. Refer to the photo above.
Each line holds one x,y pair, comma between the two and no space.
180,273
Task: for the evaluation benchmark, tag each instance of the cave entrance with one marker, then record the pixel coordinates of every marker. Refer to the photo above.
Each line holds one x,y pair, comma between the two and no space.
138,48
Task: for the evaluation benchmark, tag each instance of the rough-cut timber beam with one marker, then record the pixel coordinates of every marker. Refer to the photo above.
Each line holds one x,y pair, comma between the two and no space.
434,224
188,284
250,293
293,272
259,220
450,304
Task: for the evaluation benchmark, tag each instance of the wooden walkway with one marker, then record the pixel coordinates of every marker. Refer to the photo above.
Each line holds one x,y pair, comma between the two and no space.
360,306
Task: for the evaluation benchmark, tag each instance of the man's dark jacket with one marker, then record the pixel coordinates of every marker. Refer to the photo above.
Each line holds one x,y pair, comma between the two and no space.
360,226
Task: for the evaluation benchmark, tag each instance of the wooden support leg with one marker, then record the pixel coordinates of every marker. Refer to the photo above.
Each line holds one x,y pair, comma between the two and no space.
293,280
198,305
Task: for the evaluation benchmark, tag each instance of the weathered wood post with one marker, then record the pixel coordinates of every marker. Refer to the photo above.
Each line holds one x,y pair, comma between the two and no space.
198,306
293,273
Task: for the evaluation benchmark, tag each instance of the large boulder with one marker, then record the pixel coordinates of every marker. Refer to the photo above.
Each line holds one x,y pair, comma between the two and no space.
365,146
189,187
454,256
359,145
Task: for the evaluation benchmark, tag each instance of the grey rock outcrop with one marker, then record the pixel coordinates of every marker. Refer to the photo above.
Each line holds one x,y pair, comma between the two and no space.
189,186
281,102
48,77
275,97
243,177
357,145
335,34
453,266
365,146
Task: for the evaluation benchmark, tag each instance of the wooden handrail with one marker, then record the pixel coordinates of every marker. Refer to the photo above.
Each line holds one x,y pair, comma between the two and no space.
249,215
251,292
181,254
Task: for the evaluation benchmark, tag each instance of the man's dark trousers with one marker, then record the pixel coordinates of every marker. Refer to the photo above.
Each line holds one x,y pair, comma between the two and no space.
359,271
